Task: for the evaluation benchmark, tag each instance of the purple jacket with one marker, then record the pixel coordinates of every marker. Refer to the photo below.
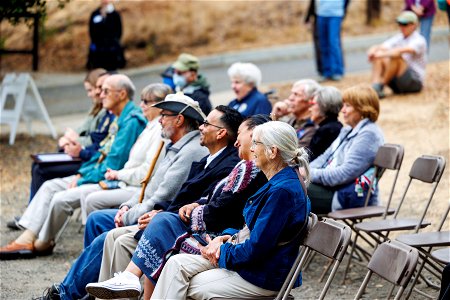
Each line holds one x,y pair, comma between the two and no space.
429,7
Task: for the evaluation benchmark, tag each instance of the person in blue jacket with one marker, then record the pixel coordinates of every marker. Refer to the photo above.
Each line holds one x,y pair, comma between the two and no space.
57,198
245,78
276,218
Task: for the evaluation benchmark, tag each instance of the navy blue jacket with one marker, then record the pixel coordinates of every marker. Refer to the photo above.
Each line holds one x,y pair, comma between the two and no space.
202,181
274,214
252,104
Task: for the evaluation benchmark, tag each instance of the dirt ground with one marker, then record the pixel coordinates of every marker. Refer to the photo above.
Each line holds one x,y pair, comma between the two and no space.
420,122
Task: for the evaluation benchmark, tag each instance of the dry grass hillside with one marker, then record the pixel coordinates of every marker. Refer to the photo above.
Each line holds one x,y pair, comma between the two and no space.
157,31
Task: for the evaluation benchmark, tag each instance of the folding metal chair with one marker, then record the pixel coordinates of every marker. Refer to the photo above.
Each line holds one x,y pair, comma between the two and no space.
293,273
424,242
427,169
394,262
389,157
331,239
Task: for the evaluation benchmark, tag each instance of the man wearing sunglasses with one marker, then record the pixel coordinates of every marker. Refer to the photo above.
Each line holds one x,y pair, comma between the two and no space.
400,61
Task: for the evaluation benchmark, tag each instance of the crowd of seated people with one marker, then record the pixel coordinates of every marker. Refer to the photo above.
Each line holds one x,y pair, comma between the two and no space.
221,175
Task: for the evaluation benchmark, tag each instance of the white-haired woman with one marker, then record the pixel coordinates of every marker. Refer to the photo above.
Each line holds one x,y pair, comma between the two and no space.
245,78
275,216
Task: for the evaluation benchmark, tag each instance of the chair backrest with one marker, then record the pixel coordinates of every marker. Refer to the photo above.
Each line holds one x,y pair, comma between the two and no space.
389,156
429,169
331,239
393,261
294,272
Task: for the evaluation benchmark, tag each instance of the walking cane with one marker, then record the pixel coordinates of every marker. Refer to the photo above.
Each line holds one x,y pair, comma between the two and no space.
146,179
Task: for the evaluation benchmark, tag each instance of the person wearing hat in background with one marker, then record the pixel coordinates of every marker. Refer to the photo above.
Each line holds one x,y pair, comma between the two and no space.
400,61
187,80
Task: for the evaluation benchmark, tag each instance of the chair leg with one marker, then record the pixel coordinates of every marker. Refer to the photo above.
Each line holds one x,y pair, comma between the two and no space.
350,258
63,228
413,284
330,278
330,263
363,285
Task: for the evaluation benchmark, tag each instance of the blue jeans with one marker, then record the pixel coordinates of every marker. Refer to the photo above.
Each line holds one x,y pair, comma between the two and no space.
425,29
329,29
98,222
85,269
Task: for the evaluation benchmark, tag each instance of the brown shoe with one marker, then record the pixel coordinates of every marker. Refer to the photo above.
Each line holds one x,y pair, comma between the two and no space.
15,251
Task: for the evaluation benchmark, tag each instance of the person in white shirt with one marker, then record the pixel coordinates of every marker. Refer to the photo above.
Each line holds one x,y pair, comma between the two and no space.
400,61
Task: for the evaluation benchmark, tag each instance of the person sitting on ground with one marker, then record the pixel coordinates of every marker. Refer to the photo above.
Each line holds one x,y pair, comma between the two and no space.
218,134
57,198
168,232
245,79
276,216
339,177
326,104
187,79
120,185
80,143
295,111
400,61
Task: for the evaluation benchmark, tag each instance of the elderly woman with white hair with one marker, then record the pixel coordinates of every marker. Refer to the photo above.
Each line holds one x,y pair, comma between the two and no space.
325,106
254,261
245,78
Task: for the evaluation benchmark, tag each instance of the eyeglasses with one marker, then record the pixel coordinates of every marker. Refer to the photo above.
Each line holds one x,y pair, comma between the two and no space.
108,91
312,102
167,115
147,102
254,143
206,124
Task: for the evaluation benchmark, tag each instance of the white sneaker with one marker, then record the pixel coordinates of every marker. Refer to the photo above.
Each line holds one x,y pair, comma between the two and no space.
122,285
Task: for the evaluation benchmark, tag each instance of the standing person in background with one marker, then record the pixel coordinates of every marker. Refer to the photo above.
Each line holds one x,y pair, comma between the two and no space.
105,31
330,14
186,79
425,10
245,78
312,25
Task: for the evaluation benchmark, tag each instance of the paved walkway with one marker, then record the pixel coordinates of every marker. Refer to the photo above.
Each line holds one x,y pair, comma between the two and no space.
62,92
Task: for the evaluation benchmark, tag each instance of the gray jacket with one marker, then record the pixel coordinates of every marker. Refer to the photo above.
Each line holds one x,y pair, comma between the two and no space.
172,172
349,156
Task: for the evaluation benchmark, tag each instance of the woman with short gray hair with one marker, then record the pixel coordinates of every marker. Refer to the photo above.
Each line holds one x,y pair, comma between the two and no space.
245,79
325,108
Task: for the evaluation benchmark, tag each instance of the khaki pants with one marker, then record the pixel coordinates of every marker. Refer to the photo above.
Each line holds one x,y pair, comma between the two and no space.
191,276
117,251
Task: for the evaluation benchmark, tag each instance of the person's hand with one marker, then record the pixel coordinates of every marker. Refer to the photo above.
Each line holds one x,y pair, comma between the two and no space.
146,218
73,149
212,251
186,211
63,141
417,9
111,174
280,109
71,135
118,218
74,182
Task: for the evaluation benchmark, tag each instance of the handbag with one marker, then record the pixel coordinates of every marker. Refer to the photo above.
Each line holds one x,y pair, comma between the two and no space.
353,194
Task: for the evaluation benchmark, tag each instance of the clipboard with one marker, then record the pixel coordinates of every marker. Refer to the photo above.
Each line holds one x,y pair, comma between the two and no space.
49,158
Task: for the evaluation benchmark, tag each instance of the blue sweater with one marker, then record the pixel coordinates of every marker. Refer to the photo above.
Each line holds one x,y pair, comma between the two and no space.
274,214
252,104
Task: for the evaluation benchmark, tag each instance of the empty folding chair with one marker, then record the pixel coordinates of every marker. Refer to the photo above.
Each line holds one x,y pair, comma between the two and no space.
394,262
424,242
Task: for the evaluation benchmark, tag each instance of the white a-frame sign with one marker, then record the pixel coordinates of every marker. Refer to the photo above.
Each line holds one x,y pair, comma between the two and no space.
27,104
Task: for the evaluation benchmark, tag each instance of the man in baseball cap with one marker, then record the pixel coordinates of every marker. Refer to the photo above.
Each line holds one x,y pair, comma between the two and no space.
400,61
187,79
